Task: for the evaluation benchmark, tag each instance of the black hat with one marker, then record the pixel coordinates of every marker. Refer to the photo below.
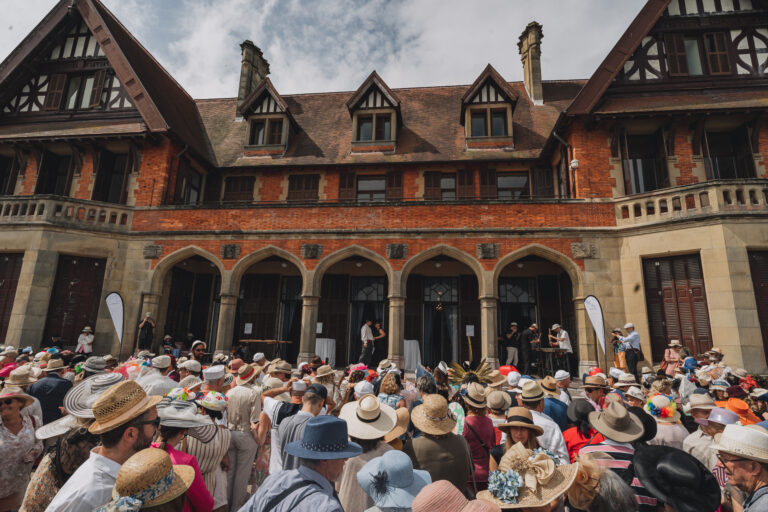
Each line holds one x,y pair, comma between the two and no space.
649,424
676,478
578,410
318,389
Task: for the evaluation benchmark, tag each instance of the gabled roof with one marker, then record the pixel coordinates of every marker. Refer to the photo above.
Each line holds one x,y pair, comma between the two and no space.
250,101
613,63
488,74
373,79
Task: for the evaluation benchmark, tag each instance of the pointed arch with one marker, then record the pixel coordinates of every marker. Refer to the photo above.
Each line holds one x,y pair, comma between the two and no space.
242,266
442,250
548,254
167,263
342,254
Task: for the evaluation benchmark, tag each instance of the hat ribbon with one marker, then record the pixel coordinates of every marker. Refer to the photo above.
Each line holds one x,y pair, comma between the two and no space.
540,469
367,420
134,502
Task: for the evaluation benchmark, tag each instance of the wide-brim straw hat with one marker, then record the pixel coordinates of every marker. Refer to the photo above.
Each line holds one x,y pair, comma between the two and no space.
60,426
496,379
747,442
475,395
120,404
79,399
324,371
280,367
247,373
190,382
55,365
520,417
150,477
433,416
401,425
549,386
559,482
20,376
616,423
367,418
595,381
17,393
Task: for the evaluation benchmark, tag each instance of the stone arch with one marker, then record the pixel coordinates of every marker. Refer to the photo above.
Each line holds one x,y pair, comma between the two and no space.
444,250
242,266
574,272
340,255
167,263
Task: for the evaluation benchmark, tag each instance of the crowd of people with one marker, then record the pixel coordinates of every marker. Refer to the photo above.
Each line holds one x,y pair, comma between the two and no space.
80,432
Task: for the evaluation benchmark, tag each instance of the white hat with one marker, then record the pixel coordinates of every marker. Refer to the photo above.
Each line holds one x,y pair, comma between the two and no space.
626,379
561,375
299,386
180,414
258,356
213,373
363,388
161,362
513,379
521,382
615,373
629,325
555,326
635,392
196,343
746,442
191,365
367,418
701,401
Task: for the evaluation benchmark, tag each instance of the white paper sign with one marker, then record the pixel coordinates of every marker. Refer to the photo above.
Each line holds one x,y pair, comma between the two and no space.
248,329
470,330
115,306
595,314
319,328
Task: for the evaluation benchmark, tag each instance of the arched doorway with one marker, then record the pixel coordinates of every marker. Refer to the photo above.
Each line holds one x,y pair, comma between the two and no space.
442,311
269,308
353,290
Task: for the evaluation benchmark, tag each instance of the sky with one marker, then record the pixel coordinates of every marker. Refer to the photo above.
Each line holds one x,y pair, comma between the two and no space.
333,45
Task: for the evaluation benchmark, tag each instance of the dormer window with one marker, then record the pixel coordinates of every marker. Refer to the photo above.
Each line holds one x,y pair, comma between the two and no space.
269,121
486,114
266,132
375,112
489,122
374,127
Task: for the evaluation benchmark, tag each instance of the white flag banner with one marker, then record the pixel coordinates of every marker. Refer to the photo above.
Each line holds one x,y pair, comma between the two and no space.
115,305
595,313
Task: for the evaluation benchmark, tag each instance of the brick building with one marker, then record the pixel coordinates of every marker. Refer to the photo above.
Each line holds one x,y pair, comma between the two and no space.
446,212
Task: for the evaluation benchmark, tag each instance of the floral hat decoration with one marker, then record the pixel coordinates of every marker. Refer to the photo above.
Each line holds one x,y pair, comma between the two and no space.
182,393
662,408
213,400
528,478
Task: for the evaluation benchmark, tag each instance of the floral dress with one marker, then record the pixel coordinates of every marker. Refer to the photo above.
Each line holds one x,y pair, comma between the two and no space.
19,453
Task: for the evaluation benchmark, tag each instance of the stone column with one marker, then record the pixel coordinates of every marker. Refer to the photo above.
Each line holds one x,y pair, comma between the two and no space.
33,294
397,331
308,327
226,326
488,329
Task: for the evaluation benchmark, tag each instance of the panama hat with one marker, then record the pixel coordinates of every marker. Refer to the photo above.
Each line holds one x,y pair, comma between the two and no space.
367,418
60,426
120,404
499,400
532,392
674,343
55,365
280,367
149,478
496,379
433,416
616,423
549,386
87,328
20,376
474,395
246,373
325,438
180,414
626,379
17,393
701,401
520,417
746,442
442,496
595,381
541,480
391,481
401,426
324,371
79,399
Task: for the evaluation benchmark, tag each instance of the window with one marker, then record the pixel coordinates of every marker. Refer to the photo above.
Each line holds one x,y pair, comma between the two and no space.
266,132
371,188
365,128
83,91
729,155
111,178
189,184
257,133
8,176
487,122
303,187
54,175
498,123
439,186
717,53
238,188
478,124
448,187
275,132
684,54
644,163
513,185
378,125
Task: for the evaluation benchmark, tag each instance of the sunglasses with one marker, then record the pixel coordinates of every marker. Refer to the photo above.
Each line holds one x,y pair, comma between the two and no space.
155,422
591,390
725,461
7,401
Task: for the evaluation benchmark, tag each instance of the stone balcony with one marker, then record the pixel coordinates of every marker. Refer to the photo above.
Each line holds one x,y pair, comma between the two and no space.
66,212
701,199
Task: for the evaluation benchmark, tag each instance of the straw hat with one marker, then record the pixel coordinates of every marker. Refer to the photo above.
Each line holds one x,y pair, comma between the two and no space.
715,350
20,376
674,343
747,442
247,373
60,426
190,382
280,367
385,364
499,400
442,496
626,379
324,371
496,379
87,328
150,478
701,401
616,423
541,480
532,392
433,416
18,394
120,404
401,426
520,417
55,365
79,399
475,395
595,381
367,418
549,386
180,414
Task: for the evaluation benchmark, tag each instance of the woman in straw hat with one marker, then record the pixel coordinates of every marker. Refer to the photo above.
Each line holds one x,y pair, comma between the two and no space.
529,480
368,422
479,433
670,431
672,358
597,490
325,376
518,428
149,481
176,416
20,447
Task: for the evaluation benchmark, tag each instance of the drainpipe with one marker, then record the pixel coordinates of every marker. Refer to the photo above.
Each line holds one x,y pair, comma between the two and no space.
174,159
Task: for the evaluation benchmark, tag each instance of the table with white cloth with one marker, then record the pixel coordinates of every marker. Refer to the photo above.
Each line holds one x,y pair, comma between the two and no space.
326,349
412,355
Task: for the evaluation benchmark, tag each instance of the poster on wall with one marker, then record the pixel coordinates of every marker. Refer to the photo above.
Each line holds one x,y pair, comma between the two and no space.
595,314
115,306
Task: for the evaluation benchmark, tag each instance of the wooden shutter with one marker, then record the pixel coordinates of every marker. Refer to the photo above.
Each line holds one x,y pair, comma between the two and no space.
758,266
697,298
303,187
347,186
716,47
432,186
98,87
655,308
677,63
56,84
542,182
239,188
465,184
488,184
394,191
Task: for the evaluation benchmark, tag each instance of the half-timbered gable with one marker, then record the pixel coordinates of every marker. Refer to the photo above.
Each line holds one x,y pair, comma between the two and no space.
269,121
486,111
375,111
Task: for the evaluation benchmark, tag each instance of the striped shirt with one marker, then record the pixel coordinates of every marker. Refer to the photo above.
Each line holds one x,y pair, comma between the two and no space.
621,463
209,447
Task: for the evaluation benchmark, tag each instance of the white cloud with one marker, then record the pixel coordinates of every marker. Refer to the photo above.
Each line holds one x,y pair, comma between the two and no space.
334,44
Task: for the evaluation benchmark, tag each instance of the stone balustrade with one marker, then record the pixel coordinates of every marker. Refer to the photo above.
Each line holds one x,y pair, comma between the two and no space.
62,211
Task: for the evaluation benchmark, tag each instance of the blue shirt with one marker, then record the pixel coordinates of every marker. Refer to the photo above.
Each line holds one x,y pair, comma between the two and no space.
50,390
317,495
556,410
632,340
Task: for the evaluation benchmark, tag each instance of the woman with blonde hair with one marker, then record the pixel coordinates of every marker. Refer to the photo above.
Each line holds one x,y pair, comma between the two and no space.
326,377
519,428
390,391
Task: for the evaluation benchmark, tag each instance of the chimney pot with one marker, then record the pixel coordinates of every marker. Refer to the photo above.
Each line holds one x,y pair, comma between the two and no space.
529,46
254,68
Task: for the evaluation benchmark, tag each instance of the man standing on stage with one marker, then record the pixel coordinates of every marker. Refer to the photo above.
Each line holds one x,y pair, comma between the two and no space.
366,336
562,340
512,344
632,347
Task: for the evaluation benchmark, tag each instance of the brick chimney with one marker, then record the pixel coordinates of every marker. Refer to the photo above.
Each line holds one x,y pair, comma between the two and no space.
253,70
530,54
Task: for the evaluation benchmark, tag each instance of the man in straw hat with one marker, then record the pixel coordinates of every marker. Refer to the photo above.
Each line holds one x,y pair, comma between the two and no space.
50,389
552,439
620,428
743,452
553,406
126,419
323,450
292,428
595,389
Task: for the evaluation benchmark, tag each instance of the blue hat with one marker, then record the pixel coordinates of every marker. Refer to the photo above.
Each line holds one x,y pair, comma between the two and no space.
391,481
325,438
27,350
763,424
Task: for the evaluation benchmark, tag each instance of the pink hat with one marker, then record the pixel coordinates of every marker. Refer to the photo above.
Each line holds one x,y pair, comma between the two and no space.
442,496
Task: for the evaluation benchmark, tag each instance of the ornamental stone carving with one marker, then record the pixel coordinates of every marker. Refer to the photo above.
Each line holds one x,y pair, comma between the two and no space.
581,250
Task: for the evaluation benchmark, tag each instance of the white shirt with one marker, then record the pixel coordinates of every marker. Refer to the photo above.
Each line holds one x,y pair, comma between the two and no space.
155,384
565,397
366,334
564,340
552,438
270,408
700,446
89,488
85,342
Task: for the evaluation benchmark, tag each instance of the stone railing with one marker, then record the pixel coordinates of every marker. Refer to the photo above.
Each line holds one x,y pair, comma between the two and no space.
729,196
63,211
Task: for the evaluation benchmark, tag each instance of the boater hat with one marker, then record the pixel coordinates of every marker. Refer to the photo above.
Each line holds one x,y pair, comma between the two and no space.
520,417
324,438
617,424
433,416
368,418
120,404
79,399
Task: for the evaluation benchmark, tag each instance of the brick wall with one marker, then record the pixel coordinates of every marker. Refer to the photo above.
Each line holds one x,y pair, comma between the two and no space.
154,173
592,148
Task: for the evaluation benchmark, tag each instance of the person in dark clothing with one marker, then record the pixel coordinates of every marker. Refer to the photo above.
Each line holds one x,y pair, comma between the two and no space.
50,390
146,332
527,339
511,345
